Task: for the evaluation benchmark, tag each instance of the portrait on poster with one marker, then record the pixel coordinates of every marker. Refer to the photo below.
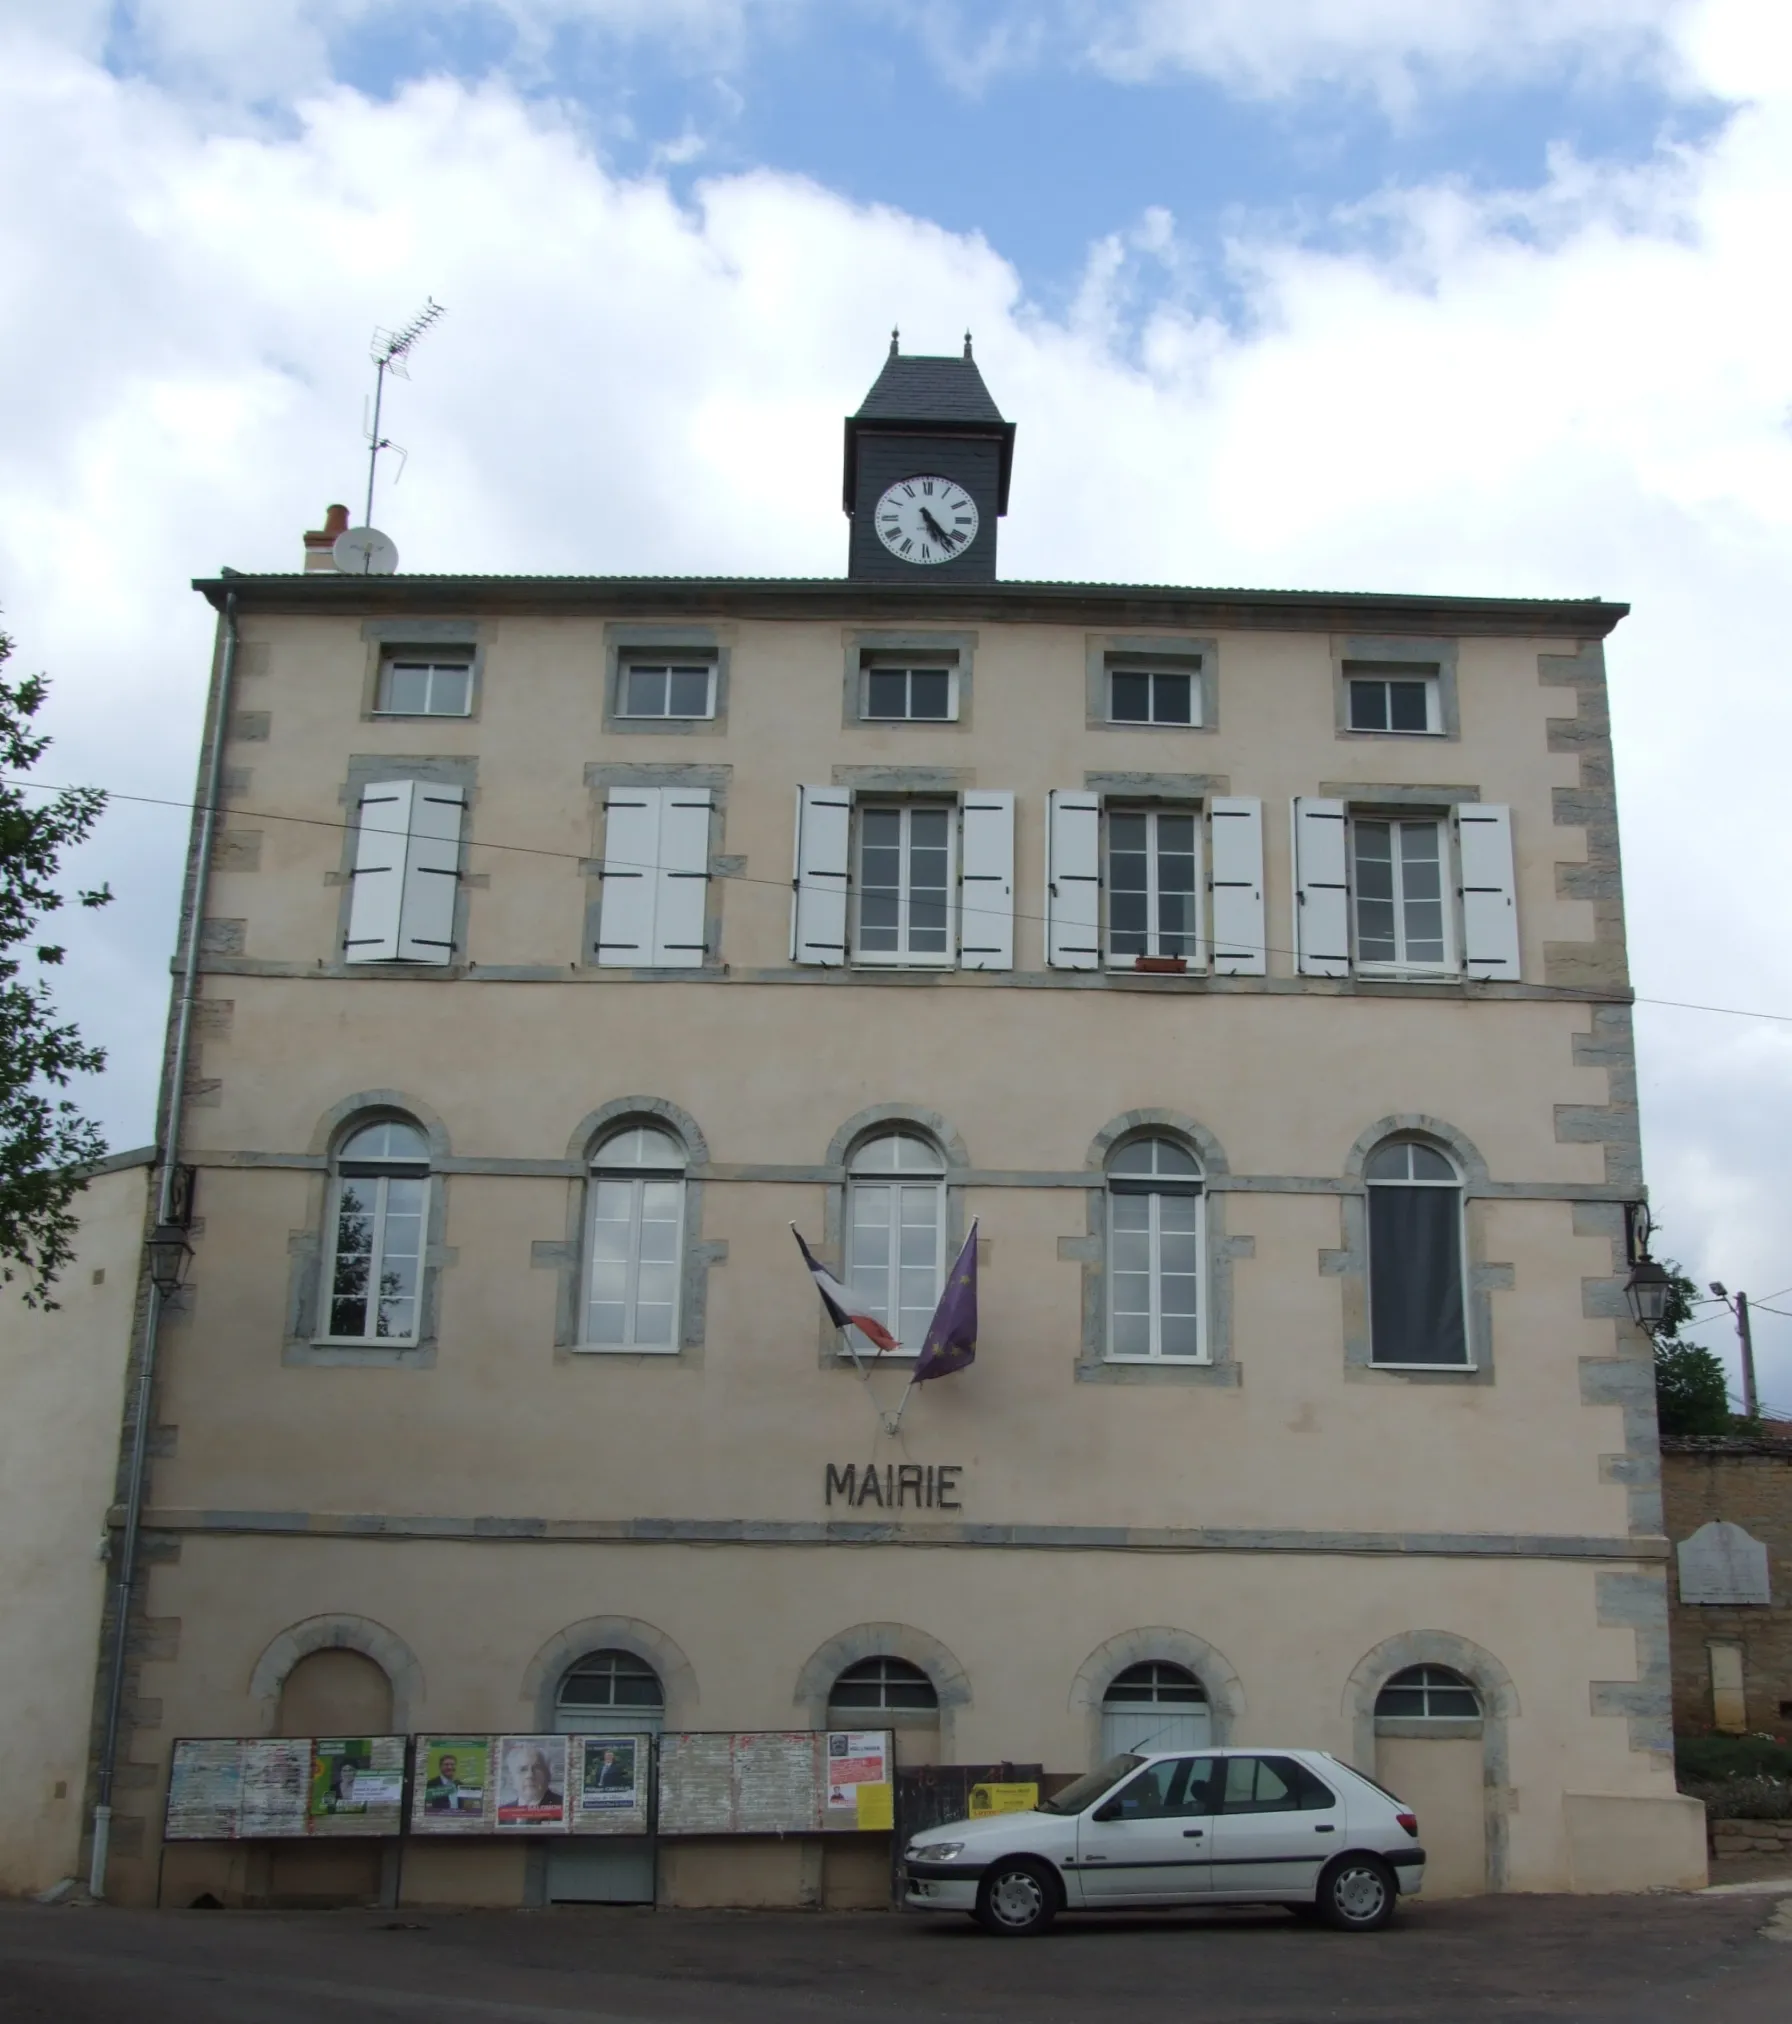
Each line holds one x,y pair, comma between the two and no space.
610,1774
452,1791
532,1782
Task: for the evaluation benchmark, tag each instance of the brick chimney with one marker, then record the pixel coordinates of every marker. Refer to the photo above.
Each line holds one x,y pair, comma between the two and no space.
320,540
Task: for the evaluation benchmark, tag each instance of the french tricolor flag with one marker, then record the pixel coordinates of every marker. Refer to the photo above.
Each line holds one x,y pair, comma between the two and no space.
843,1310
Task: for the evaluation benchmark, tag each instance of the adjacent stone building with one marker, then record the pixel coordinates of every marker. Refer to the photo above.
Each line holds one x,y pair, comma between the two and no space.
1249,966
1729,1512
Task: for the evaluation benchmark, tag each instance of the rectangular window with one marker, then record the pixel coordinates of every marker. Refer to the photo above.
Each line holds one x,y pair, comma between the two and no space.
1153,884
1154,1275
1139,694
1400,894
634,1240
417,684
895,1259
903,692
904,884
1399,703
667,688
655,911
377,1267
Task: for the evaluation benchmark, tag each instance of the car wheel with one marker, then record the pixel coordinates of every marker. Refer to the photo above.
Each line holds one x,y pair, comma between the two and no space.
1017,1898
1356,1894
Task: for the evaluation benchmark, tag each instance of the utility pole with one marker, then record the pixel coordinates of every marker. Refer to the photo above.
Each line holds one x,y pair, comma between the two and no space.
1745,1335
1748,1356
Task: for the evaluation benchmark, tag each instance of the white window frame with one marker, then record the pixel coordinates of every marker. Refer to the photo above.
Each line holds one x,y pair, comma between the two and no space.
882,661
396,1168
667,663
434,662
1190,672
1434,720
1196,957
636,1176
1450,965
1154,1187
901,957
858,1179
1470,1362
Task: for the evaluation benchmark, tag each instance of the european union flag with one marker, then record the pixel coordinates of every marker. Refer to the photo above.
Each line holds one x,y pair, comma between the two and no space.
952,1338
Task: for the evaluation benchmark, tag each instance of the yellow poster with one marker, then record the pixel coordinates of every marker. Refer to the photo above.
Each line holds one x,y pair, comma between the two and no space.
877,1806
1003,1799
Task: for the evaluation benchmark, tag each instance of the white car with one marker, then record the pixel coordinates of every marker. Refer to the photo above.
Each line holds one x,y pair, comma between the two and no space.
1261,1826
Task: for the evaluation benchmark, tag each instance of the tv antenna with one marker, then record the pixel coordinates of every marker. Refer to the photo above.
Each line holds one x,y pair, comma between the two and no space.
391,348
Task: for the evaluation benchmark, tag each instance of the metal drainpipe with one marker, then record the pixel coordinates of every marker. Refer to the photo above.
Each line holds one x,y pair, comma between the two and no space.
168,1156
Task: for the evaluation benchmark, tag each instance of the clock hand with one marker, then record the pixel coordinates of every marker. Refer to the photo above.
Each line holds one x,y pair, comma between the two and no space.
939,534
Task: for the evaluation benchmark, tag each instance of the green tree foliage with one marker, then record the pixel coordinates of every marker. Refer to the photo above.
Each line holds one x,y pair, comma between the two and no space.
47,1146
1692,1395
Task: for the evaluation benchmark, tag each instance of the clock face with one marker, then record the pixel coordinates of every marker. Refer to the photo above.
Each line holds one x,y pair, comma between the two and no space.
926,519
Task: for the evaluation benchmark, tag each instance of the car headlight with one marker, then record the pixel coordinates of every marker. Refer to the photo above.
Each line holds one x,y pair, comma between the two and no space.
936,1851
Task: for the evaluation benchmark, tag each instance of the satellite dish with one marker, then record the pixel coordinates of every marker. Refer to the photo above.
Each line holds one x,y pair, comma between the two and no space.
364,551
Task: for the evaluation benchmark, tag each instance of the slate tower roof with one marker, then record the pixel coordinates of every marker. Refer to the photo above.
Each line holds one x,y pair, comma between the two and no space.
931,396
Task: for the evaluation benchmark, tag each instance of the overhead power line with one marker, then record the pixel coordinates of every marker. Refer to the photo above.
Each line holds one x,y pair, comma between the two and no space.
746,878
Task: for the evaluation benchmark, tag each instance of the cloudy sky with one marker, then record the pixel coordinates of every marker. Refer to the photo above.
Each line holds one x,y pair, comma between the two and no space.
1489,296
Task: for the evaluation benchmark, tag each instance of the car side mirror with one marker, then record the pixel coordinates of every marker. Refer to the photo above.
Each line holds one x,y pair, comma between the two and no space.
1109,1810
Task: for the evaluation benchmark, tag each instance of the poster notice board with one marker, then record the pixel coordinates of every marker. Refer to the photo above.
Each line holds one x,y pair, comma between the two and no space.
597,1784
243,1788
764,1781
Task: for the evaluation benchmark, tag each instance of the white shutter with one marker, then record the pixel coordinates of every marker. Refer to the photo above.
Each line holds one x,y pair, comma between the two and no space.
1238,937
1321,888
383,828
818,901
1073,881
986,921
431,873
631,861
1489,895
681,897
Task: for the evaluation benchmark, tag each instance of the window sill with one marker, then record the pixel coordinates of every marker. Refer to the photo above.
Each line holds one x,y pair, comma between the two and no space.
623,1348
1362,731
420,716
906,723
365,1342
1125,724
1160,1370
905,963
666,717
1392,973
1448,1369
1168,1362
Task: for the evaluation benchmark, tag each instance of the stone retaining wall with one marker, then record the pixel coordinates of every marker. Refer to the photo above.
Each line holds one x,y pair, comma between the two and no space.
1751,1837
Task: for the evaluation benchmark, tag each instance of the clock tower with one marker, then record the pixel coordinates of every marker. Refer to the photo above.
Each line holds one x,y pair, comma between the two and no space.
928,458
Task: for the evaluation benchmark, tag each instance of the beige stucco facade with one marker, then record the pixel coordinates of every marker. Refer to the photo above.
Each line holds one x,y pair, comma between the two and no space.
62,1377
1289,1521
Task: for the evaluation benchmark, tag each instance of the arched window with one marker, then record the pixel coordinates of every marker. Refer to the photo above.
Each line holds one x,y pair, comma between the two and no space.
1155,1705
634,1241
609,1690
1155,1246
380,1209
885,1686
1428,1694
896,1230
1417,1309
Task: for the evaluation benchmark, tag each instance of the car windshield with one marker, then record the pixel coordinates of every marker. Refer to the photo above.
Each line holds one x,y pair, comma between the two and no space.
1091,1785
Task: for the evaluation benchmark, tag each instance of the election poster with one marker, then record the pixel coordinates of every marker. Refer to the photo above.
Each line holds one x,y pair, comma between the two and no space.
610,1781
531,1784
452,1789
204,1789
855,1757
357,1785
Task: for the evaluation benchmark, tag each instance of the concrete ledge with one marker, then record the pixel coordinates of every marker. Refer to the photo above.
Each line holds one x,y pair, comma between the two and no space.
491,1529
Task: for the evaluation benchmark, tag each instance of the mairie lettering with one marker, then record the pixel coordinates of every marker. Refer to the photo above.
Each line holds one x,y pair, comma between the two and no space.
895,1486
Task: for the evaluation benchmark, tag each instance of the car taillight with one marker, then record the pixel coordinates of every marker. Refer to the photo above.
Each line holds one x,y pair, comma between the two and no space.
1410,1821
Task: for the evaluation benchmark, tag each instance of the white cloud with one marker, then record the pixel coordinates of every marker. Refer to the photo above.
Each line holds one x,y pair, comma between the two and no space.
1582,389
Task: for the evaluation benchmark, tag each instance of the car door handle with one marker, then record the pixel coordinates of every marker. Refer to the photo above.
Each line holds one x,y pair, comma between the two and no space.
1193,1833
1325,1829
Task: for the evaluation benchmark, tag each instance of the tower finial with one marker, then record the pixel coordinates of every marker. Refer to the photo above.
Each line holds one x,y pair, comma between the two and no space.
967,344
895,342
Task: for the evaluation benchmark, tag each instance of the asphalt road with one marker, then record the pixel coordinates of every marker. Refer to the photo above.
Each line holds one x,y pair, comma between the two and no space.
1640,1960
